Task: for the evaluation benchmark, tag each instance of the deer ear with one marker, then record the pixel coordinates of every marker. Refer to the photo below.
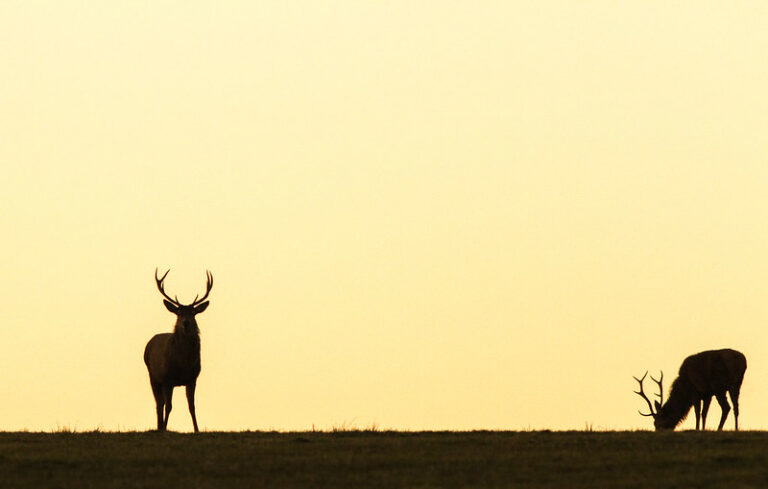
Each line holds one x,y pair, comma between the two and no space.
658,405
171,307
201,307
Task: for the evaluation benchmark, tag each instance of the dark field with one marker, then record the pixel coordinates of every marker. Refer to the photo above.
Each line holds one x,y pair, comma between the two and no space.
385,459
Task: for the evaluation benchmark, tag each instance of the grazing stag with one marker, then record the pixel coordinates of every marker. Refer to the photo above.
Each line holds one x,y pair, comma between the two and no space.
173,359
703,375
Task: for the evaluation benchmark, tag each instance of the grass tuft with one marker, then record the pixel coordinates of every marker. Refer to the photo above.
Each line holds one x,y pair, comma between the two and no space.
64,428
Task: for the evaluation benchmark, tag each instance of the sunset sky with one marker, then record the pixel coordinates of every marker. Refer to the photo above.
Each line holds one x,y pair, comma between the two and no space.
418,214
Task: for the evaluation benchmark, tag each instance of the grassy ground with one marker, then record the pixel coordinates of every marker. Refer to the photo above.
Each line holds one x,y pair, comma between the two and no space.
385,459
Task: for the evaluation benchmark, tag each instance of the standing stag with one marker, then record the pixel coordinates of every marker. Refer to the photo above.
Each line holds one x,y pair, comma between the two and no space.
173,359
703,375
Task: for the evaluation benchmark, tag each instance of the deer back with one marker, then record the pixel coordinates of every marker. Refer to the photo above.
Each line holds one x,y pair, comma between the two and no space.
714,371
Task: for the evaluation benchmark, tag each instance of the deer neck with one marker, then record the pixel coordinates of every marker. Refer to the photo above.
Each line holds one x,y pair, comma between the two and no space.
681,398
179,330
186,339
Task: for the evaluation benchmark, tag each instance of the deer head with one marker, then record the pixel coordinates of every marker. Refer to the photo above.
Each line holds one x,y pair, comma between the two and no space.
185,313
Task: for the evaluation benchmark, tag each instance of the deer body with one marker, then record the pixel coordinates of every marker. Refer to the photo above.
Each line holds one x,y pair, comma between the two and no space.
173,359
701,376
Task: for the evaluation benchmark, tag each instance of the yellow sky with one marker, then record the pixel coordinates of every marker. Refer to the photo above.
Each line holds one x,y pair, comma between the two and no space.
425,215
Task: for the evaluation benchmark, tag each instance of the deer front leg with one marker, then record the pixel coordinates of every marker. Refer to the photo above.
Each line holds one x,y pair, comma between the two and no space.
704,412
191,403
697,412
167,396
157,391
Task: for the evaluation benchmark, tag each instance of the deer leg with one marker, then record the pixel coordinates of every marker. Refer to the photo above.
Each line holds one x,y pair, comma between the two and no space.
704,412
167,395
697,412
191,403
157,390
735,400
725,407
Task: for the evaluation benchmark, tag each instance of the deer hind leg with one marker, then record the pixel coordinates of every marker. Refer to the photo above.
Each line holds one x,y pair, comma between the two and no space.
721,399
735,400
191,403
704,412
167,396
157,391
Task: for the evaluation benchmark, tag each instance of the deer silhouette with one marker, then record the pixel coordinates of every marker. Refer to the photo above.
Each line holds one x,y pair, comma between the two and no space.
701,376
173,359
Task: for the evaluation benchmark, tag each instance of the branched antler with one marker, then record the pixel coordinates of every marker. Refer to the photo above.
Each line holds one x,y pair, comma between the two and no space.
175,300
208,287
661,387
642,394
161,288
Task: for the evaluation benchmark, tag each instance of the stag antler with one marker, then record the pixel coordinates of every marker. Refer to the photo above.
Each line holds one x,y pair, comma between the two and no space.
175,300
208,287
642,394
159,281
661,387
